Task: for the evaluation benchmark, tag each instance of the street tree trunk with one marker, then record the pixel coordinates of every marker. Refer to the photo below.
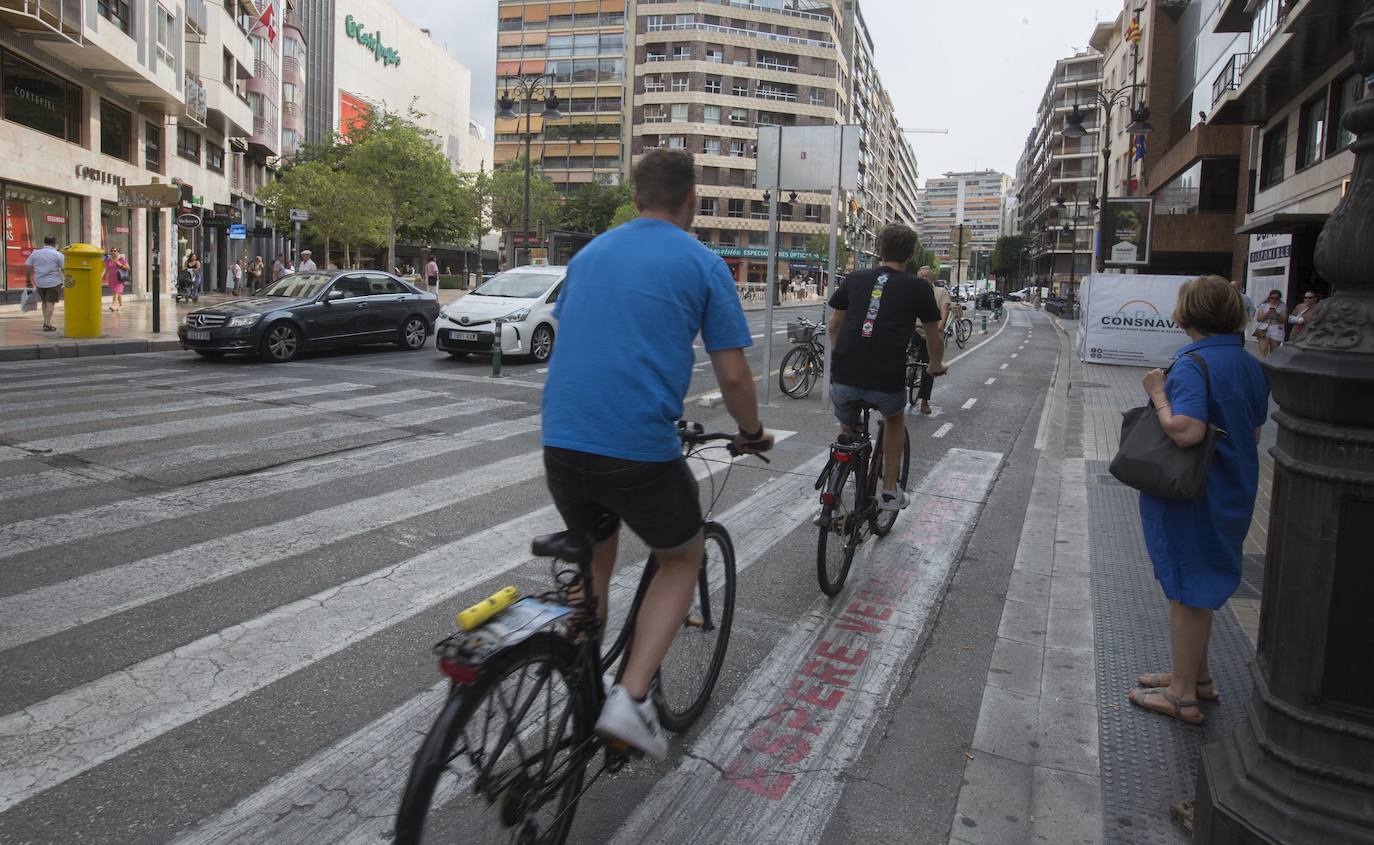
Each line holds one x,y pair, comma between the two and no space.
327,240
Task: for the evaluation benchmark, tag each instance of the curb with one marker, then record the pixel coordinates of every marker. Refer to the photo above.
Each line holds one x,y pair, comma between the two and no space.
85,349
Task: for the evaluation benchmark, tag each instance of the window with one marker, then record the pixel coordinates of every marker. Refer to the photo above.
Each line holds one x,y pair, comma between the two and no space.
653,113
712,85
758,239
740,88
711,114
214,157
708,207
1273,150
152,147
677,112
116,131
1311,128
290,48
188,144
227,69
39,100
116,12
166,35
739,117
737,148
1344,95
813,213
288,93
682,53
677,142
712,146
716,56
817,97
679,82
736,209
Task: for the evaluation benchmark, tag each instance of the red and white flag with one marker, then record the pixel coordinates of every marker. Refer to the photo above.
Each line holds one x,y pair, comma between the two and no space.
269,11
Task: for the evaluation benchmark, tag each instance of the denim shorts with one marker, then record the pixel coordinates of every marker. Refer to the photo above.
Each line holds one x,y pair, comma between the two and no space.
846,400
658,500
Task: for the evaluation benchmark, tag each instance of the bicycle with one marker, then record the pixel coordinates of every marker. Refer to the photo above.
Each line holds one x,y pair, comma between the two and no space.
916,364
519,770
849,486
803,365
961,329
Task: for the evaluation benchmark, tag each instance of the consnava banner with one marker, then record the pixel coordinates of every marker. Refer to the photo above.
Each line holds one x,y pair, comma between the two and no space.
1127,320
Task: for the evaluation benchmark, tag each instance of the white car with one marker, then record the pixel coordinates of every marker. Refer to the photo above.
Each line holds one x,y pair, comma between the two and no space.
522,298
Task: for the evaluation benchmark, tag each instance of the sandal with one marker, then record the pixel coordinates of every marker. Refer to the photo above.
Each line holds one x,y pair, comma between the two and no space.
1138,696
1158,680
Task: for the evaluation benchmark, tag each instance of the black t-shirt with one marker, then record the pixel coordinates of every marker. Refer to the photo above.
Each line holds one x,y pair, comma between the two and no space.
881,308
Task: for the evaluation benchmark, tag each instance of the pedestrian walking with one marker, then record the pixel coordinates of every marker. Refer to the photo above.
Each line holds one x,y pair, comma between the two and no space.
1297,321
279,268
236,277
432,274
1245,298
1195,544
307,264
255,272
116,276
44,269
1272,316
194,267
921,342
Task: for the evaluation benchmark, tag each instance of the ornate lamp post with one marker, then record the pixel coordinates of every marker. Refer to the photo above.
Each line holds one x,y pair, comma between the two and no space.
1139,125
1301,766
1071,228
528,87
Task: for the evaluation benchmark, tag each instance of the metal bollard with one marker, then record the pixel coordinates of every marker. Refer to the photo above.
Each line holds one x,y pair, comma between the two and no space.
496,352
985,324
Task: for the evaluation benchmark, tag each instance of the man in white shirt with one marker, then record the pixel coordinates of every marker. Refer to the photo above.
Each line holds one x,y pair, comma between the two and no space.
46,267
307,264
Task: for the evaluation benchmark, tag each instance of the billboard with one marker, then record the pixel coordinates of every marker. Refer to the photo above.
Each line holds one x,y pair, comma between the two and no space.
803,158
353,112
1127,320
1126,228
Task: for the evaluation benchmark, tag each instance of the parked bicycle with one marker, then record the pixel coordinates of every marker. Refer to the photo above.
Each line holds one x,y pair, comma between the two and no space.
849,486
804,364
526,685
960,328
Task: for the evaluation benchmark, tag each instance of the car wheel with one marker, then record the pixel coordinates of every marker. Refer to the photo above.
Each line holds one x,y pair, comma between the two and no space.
280,344
541,343
209,353
414,333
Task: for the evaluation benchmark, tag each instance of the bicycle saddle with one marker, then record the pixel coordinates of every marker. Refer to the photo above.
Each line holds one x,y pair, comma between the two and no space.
564,545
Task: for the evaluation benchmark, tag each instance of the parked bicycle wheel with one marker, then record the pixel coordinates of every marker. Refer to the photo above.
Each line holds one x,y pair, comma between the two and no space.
691,667
839,537
963,331
884,520
915,372
797,374
504,758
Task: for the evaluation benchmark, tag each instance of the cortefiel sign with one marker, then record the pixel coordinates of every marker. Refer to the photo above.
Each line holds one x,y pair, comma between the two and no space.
1127,320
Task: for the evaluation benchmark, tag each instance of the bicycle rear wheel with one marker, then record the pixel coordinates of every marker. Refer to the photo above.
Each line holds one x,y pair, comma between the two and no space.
797,373
915,372
507,754
884,520
839,536
963,331
691,667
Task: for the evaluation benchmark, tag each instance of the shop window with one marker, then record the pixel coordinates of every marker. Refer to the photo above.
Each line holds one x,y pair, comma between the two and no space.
214,157
1273,150
115,228
116,12
39,100
188,144
152,147
30,214
1344,95
116,131
1311,128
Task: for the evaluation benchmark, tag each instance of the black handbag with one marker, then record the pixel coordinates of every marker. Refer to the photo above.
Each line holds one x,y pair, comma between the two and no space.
1151,462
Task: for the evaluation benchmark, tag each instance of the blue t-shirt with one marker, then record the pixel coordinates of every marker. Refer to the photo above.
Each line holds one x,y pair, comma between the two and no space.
635,299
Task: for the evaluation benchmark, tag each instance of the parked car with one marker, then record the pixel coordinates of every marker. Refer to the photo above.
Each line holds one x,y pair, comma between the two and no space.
522,298
314,310
1019,295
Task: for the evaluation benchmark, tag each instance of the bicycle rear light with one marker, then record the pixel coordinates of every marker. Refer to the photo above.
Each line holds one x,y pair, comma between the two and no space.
459,673
827,498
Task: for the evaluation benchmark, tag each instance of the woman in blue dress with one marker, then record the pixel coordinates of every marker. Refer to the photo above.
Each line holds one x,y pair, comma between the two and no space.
1196,544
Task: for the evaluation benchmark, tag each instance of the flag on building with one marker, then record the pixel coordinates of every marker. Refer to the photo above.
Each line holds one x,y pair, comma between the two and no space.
1139,147
1133,32
269,11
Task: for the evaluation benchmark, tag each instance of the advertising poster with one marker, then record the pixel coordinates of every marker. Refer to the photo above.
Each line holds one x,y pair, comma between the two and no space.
1126,229
353,110
1127,320
1267,265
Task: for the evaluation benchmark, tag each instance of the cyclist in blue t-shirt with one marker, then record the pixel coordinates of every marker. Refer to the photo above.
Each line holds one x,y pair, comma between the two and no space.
634,301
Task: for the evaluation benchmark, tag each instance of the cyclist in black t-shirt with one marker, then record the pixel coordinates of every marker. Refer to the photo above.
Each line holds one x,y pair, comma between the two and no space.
869,342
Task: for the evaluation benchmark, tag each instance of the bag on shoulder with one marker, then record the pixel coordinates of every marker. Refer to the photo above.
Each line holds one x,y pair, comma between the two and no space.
122,275
1151,462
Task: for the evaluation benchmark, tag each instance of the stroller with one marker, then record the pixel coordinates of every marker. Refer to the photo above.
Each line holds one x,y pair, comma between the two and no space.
186,287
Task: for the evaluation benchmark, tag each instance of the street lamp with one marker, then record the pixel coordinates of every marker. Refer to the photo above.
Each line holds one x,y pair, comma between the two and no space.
1072,227
1139,126
527,89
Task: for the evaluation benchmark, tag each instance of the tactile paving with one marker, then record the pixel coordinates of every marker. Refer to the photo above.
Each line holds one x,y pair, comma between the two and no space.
1148,761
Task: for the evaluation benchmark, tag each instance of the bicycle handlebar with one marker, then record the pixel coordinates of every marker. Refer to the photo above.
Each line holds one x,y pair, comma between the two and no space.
693,434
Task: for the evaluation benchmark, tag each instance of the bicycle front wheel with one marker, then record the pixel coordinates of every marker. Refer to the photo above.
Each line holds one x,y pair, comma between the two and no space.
915,372
884,520
797,373
691,667
963,331
505,758
839,536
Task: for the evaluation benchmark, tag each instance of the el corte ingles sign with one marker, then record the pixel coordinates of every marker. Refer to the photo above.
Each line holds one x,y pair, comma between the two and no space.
371,40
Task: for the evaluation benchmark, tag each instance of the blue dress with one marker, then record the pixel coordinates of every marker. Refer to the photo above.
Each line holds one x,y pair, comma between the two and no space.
1196,545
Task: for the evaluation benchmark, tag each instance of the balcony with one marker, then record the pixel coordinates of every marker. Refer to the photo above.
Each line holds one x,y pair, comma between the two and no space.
1229,78
59,17
196,109
768,64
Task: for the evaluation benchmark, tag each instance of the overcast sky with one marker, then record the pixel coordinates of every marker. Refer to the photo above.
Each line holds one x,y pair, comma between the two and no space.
974,67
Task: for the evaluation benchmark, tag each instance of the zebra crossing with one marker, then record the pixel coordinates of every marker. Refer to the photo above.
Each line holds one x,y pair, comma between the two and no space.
242,656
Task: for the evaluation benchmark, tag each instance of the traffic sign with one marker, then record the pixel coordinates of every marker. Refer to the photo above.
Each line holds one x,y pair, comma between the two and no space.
300,215
238,232
188,220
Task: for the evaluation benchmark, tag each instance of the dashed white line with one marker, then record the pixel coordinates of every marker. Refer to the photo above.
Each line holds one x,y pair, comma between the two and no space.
943,430
991,380
1003,367
969,404
1015,354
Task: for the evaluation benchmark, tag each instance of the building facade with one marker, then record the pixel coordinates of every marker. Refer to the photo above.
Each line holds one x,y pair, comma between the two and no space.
316,19
973,199
134,93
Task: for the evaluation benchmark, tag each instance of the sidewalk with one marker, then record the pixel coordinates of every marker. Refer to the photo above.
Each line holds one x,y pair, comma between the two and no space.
129,330
1059,754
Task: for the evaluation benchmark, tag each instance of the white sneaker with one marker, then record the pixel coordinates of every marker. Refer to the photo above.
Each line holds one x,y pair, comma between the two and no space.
632,722
893,501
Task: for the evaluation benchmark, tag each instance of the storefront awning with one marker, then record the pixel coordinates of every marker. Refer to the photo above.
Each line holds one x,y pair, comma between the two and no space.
1281,222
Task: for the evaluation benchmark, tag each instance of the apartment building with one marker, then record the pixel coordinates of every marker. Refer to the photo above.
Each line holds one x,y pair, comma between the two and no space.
974,199
99,95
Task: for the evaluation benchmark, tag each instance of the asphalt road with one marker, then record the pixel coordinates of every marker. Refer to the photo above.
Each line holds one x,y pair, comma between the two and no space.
222,580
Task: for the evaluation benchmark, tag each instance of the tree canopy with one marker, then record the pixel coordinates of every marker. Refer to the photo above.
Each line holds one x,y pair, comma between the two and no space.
591,208
1007,255
507,200
335,200
818,248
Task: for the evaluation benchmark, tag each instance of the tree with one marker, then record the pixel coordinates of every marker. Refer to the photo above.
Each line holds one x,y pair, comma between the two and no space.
338,202
818,248
1008,254
508,201
923,257
591,208
624,213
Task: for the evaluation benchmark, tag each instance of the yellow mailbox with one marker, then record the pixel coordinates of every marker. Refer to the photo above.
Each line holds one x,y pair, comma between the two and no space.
85,266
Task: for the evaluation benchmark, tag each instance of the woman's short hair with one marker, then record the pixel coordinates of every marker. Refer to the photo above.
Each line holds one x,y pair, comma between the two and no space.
1209,305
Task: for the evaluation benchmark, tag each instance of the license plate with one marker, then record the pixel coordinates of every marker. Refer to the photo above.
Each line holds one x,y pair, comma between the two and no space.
464,335
197,334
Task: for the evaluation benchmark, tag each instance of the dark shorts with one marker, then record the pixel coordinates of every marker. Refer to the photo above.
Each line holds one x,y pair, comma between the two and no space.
657,500
52,294
847,400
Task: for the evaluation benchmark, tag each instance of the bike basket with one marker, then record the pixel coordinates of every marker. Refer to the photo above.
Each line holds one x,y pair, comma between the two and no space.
799,332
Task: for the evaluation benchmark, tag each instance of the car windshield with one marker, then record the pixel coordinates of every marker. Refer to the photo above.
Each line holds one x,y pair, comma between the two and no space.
517,285
297,285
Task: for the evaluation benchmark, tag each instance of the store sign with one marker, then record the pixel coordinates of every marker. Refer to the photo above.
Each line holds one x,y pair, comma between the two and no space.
55,219
1126,227
188,220
1127,319
1270,251
121,230
238,232
759,252
103,176
371,40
